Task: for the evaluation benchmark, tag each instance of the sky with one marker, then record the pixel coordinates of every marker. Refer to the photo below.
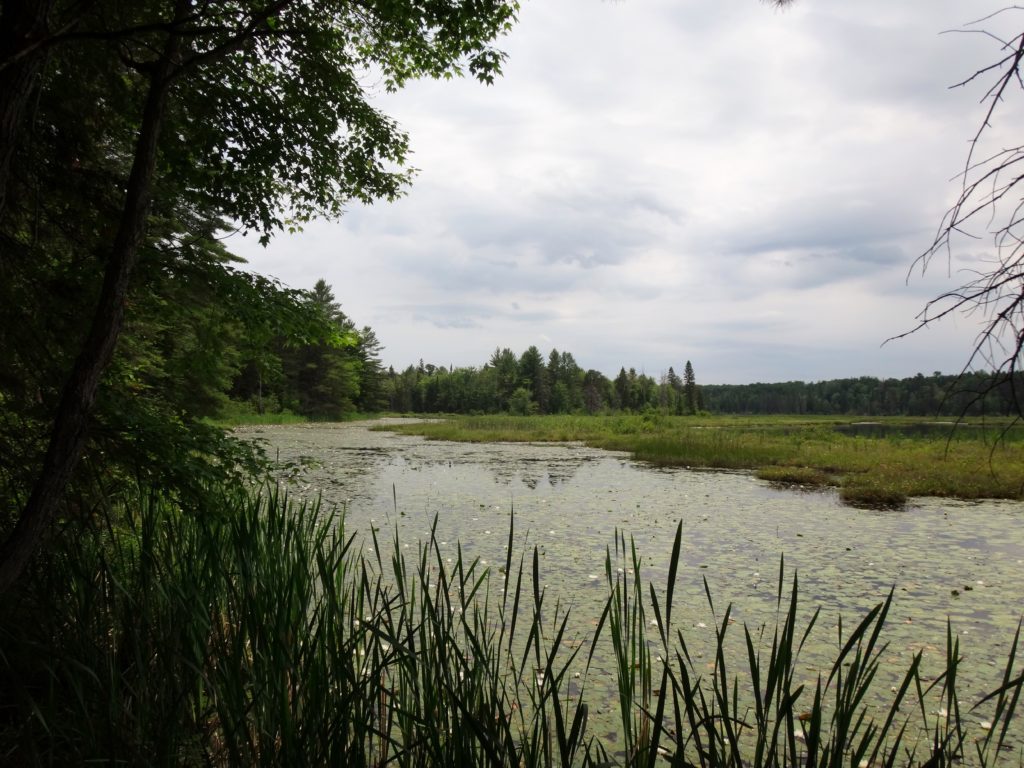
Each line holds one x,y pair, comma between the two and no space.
656,181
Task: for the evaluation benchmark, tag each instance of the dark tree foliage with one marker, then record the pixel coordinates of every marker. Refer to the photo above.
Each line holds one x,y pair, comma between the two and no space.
969,394
533,377
129,132
480,390
689,389
521,385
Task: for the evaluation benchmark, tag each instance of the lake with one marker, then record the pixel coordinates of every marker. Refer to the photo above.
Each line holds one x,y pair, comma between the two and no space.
946,558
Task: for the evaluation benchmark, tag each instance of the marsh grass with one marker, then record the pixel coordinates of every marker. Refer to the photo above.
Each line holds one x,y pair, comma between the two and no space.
799,476
234,413
986,461
263,636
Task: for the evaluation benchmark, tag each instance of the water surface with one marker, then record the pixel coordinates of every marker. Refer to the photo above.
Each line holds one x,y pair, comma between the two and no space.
946,558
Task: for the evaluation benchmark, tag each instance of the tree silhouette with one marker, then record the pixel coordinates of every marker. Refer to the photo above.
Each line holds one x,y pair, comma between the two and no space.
989,206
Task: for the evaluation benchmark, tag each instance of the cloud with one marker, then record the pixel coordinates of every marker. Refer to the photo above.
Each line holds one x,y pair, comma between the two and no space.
656,182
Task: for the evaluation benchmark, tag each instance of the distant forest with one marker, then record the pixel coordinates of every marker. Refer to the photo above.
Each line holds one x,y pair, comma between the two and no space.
526,384
331,374
327,378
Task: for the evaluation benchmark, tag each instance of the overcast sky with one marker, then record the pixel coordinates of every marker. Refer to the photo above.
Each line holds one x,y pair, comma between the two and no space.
655,181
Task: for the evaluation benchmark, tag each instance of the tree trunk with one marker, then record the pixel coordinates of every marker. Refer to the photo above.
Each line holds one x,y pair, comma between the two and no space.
67,437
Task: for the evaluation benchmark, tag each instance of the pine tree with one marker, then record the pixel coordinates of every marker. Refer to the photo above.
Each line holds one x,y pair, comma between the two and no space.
690,389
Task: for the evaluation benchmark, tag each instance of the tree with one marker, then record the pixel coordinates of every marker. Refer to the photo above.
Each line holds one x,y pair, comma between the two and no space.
565,381
521,403
533,375
623,390
251,111
675,391
690,389
325,375
372,397
506,368
989,207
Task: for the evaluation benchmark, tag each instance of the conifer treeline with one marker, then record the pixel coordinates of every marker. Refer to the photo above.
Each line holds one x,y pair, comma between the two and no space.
972,394
324,378
526,384
329,378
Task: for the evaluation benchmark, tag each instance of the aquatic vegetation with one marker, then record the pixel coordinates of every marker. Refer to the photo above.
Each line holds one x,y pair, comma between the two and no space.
882,465
269,636
799,476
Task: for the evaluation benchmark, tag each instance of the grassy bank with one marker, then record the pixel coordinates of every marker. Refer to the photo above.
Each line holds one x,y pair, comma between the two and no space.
236,413
968,462
261,636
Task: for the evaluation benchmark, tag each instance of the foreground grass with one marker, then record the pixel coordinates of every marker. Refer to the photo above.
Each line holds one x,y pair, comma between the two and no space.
259,637
967,463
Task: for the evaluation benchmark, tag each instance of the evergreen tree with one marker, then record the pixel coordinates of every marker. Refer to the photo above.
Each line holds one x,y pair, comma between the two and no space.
506,370
690,388
673,387
596,391
324,376
534,377
622,390
372,395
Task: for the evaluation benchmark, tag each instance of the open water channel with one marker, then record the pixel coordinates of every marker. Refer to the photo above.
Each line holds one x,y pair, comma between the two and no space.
947,559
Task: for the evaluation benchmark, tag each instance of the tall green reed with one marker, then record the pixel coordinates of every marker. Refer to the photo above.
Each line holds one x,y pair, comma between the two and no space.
261,636
265,634
762,716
